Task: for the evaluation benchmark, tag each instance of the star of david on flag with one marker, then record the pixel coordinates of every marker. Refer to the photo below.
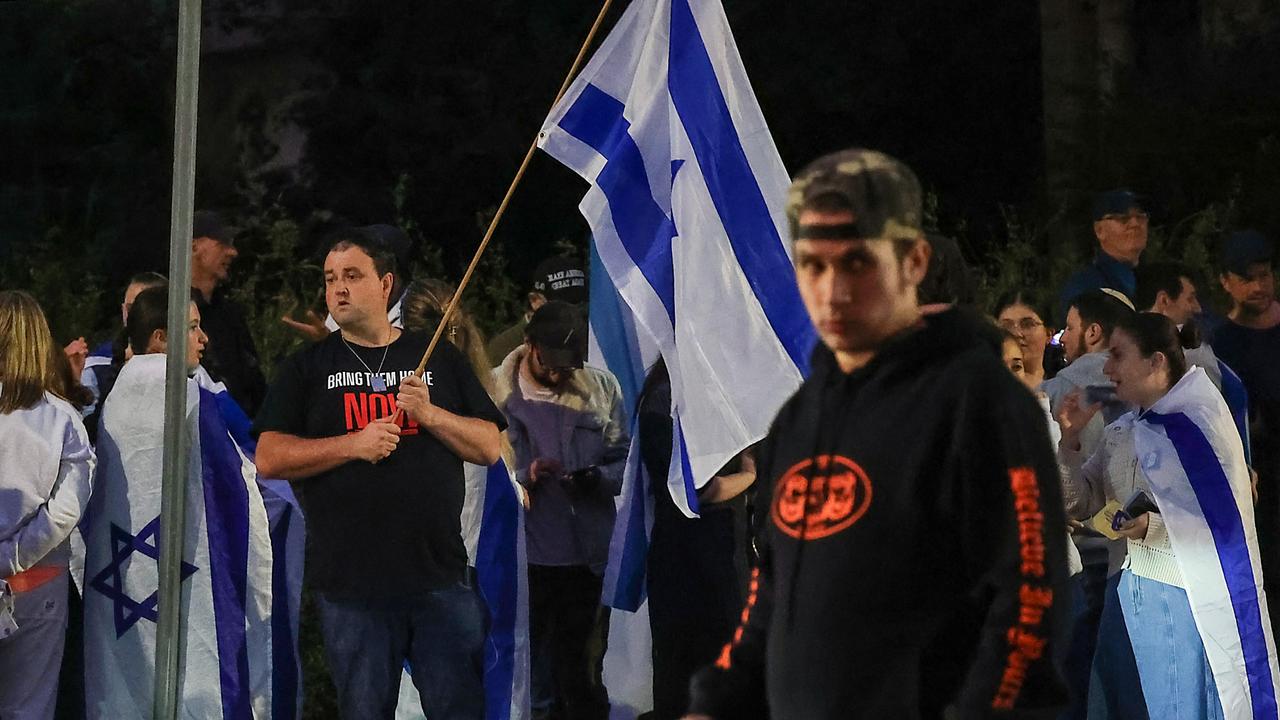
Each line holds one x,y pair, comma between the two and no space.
110,583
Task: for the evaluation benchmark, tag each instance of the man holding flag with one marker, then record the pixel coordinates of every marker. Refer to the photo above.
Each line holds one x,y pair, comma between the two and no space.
379,451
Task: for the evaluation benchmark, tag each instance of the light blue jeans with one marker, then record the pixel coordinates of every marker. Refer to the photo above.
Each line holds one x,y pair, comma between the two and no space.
1175,674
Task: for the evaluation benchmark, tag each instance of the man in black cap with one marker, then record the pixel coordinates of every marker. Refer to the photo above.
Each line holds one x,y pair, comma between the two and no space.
910,523
1249,342
1120,223
556,278
231,356
567,427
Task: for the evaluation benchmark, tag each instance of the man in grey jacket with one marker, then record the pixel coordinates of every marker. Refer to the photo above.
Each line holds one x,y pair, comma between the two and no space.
1098,636
566,426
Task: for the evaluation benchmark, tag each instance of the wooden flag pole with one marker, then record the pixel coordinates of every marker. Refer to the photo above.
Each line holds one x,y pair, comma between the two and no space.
502,207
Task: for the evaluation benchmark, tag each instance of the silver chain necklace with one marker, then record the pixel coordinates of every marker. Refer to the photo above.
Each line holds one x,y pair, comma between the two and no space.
375,378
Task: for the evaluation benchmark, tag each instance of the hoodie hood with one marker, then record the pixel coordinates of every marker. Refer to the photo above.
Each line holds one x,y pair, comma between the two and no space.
943,334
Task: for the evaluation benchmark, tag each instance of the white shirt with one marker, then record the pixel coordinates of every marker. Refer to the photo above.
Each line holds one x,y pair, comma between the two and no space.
46,476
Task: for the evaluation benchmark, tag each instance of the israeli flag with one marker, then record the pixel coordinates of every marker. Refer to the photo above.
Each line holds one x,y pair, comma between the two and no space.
686,206
493,531
227,568
1192,456
690,264
288,530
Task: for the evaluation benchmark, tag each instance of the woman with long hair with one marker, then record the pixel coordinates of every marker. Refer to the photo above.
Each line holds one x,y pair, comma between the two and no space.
1017,313
46,474
1178,443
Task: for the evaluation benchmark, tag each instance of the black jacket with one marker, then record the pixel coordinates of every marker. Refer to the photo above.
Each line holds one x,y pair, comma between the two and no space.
231,356
913,560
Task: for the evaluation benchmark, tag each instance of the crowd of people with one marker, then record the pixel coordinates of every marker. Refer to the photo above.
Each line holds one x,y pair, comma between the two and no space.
955,516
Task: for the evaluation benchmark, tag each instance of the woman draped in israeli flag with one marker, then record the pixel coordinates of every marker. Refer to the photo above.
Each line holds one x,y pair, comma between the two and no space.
227,559
1191,588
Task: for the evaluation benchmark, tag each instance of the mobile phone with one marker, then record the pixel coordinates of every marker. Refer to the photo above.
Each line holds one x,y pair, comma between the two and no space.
1138,503
1099,394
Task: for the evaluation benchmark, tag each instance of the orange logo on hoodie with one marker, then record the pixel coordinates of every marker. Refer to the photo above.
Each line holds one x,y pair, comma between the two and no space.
821,496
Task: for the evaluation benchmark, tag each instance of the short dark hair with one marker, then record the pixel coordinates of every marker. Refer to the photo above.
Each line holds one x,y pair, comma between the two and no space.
384,259
1096,306
148,314
148,279
1153,333
1155,277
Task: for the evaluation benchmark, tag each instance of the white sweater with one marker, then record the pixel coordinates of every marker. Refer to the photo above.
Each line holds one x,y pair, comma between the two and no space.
46,475
1112,473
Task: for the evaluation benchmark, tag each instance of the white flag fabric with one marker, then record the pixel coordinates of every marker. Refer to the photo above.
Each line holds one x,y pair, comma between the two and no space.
1191,454
227,561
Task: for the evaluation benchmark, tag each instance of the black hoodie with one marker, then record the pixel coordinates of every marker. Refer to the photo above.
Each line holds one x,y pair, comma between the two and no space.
913,560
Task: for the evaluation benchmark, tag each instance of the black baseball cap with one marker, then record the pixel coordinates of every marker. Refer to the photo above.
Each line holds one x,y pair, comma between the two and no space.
395,240
1117,202
1244,248
207,223
560,278
558,331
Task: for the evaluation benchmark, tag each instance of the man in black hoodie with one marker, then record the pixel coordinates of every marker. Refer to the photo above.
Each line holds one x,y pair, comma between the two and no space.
912,533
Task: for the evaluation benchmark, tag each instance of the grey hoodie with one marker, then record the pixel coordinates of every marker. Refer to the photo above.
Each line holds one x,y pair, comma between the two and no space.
581,425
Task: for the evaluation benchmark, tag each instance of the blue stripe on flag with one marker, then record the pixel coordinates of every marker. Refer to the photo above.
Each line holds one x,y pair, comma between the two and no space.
701,105
629,592
226,502
284,664
1222,515
596,119
497,574
686,469
1237,397
614,335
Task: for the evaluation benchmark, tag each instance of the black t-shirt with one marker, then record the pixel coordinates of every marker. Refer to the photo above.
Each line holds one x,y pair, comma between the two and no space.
388,529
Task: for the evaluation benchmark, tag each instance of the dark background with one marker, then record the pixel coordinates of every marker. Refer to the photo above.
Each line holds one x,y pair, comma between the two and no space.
322,112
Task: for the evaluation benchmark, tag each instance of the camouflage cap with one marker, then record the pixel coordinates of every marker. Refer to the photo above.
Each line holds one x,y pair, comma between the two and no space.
882,192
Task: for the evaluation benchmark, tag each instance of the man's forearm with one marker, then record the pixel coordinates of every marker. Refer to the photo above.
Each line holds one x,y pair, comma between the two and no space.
472,439
281,455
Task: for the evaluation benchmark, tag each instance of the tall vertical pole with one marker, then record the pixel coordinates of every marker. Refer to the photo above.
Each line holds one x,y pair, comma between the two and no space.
173,499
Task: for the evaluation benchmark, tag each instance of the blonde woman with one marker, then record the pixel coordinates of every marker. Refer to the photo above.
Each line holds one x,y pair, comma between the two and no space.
46,472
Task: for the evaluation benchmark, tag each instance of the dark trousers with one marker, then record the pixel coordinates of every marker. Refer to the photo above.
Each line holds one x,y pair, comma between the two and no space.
568,630
440,634
694,601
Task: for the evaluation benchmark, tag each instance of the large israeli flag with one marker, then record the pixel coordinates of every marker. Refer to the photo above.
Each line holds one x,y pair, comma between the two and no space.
690,263
1191,453
686,206
227,567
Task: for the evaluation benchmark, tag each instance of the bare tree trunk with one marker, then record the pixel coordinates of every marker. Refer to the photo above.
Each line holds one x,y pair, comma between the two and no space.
1069,76
1115,46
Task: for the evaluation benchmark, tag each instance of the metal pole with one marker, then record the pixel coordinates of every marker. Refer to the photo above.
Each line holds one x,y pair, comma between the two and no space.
173,499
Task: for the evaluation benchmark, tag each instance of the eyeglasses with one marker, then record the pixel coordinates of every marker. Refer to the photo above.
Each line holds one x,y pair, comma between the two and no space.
1025,325
1126,217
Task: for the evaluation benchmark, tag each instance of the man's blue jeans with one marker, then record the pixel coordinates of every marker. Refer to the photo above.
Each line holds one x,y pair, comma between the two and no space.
440,634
